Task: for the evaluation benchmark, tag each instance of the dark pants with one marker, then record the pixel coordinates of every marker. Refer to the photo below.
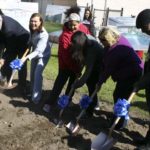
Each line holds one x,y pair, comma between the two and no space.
7,70
91,84
122,91
61,79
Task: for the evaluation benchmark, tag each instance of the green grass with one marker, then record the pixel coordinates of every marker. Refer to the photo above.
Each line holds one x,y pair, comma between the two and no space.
50,26
106,93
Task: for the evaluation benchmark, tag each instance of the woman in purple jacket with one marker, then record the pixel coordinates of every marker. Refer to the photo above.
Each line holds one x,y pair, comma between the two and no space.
121,63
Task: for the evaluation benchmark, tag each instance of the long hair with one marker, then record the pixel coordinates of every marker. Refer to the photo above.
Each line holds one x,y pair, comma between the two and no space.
41,20
78,43
90,15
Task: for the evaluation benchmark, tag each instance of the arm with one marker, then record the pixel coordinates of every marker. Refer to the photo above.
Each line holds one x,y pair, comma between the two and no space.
40,46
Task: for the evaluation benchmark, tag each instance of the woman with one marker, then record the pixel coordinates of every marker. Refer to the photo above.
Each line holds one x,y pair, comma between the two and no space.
39,40
68,69
88,21
87,52
121,63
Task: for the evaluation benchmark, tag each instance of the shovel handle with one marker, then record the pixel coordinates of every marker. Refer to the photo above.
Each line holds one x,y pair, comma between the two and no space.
14,71
25,53
118,118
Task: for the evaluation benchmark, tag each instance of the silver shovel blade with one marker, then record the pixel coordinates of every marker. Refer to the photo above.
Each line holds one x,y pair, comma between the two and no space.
70,127
102,142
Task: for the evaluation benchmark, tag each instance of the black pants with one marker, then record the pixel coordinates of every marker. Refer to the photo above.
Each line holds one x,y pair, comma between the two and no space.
122,91
7,70
61,79
91,84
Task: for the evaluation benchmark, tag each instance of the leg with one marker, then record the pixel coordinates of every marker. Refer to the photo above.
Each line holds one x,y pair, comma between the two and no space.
122,91
38,79
72,78
59,83
91,84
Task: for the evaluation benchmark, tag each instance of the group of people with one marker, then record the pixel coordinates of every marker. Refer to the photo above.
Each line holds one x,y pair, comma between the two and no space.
81,59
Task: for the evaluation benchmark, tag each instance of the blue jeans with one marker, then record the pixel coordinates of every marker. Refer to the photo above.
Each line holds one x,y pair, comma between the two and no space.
36,77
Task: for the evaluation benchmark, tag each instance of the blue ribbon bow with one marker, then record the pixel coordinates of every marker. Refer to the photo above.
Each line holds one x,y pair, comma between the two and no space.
16,64
85,101
63,101
121,108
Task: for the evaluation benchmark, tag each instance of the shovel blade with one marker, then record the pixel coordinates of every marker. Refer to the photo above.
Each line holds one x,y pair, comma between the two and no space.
72,128
102,142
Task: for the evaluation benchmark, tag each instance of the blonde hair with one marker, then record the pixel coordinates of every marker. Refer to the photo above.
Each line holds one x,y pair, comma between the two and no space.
109,34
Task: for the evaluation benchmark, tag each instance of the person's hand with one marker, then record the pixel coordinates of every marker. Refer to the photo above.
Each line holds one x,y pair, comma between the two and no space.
2,61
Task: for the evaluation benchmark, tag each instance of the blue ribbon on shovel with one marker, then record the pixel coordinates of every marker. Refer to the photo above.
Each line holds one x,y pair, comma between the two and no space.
85,101
121,108
63,101
16,64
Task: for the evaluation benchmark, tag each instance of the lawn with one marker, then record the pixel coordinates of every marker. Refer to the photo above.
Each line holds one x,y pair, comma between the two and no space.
106,92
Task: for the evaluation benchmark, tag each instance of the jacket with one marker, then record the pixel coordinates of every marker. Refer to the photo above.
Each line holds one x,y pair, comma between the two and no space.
64,56
121,62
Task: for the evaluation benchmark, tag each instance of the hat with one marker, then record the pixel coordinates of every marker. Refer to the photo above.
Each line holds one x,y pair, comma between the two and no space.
74,16
143,18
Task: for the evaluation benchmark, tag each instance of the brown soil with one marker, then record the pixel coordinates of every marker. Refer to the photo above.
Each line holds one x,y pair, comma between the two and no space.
24,125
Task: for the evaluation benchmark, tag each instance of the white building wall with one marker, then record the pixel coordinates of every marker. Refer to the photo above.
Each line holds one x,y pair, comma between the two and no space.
130,7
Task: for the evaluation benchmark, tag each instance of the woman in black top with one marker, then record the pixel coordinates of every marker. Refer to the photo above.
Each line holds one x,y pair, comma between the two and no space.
88,53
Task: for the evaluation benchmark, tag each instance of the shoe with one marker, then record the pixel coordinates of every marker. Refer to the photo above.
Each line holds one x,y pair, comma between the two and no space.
97,106
46,108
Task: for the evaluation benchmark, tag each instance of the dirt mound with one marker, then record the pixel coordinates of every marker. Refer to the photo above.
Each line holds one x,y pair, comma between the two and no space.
24,126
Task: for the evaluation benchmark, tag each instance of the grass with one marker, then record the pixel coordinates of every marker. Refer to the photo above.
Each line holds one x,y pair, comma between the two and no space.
106,93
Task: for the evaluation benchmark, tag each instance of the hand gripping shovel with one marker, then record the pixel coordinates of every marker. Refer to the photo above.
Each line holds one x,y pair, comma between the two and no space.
63,102
73,126
104,141
15,69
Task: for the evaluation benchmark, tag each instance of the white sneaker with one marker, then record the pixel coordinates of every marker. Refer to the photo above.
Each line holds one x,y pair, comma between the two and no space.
46,108
97,106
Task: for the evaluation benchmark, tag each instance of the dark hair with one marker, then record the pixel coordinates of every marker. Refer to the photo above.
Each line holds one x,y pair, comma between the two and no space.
90,16
1,13
78,43
72,9
41,19
143,18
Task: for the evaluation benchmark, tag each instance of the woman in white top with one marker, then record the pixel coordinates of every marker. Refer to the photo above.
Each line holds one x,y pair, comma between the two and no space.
39,56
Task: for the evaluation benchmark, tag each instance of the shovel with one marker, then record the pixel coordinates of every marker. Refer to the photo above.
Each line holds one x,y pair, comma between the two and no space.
59,121
104,141
73,126
9,85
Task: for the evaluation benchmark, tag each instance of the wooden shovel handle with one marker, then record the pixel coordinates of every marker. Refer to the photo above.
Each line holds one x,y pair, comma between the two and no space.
25,53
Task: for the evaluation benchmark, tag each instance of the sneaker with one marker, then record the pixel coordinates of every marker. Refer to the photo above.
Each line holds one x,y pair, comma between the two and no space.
97,106
46,108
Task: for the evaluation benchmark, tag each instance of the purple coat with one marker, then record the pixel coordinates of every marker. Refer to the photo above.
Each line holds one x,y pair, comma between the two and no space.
121,62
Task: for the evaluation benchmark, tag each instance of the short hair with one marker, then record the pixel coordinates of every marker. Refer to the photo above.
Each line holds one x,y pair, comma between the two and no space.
143,18
109,34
